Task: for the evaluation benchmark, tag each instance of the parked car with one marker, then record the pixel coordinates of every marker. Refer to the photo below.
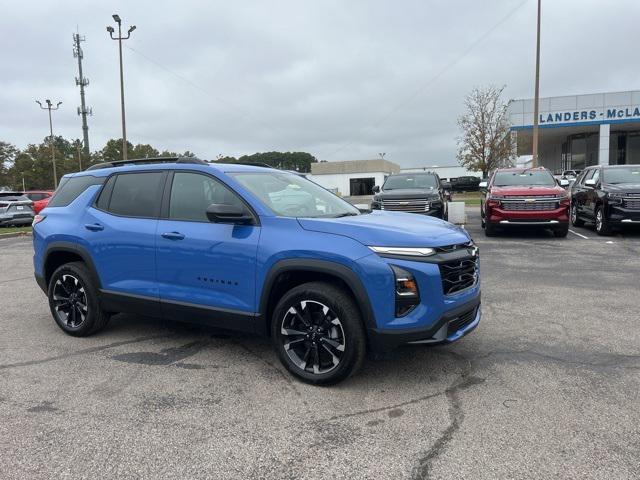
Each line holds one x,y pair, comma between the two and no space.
199,242
524,196
15,209
40,198
608,196
422,193
465,184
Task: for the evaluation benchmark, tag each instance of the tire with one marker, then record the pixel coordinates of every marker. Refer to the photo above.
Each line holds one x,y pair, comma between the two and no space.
489,229
561,232
602,225
575,220
81,315
329,326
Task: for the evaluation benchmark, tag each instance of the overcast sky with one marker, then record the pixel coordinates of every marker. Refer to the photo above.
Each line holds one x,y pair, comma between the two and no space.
341,79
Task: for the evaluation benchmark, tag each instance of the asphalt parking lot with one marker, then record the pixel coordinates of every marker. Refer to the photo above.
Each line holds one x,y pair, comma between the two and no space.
548,386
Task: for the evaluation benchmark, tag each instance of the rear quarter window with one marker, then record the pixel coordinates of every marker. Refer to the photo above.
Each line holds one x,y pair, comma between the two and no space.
70,188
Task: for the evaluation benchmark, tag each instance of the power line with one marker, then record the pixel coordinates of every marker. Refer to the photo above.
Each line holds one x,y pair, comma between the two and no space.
433,79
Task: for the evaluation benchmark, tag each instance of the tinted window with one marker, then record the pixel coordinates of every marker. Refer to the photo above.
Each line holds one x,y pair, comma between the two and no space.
402,182
192,193
36,196
70,188
630,174
525,177
587,175
596,175
137,194
105,194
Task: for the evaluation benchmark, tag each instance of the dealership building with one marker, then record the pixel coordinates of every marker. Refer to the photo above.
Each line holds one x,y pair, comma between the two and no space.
580,130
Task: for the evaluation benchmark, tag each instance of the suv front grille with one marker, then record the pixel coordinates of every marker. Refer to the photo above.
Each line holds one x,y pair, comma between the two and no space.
462,321
413,205
631,202
458,274
529,204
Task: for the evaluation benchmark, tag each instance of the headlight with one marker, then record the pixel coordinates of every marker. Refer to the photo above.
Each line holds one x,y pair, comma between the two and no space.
403,251
615,197
493,196
407,295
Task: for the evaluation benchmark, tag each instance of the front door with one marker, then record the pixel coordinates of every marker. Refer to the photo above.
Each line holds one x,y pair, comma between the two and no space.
206,270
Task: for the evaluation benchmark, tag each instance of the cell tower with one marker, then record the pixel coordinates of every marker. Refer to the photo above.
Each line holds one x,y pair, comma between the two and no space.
82,82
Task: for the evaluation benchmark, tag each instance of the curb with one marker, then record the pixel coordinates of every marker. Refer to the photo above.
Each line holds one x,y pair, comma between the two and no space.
13,235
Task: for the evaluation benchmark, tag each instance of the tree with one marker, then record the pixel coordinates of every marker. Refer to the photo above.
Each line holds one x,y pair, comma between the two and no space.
298,161
486,142
143,151
8,154
112,151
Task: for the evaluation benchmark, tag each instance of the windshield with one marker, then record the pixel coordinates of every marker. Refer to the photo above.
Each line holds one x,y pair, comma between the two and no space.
630,174
290,195
403,182
524,178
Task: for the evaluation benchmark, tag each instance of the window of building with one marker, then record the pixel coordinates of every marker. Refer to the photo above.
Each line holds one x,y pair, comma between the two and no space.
137,194
361,186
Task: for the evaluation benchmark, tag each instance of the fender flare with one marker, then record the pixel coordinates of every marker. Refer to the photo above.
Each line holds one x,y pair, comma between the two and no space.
63,246
343,272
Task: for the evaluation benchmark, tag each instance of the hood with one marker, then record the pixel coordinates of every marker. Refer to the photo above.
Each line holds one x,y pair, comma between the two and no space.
407,193
390,229
528,190
622,187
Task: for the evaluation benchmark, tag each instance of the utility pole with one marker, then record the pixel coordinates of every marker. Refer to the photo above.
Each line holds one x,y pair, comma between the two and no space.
120,38
50,107
82,82
536,99
79,158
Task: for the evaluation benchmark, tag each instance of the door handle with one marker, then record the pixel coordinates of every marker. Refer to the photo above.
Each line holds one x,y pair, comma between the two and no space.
173,235
94,227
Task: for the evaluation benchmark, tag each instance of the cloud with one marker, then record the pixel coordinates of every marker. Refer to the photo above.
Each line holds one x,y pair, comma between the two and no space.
335,78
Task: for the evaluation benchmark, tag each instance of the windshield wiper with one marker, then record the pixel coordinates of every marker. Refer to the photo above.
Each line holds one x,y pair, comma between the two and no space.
346,214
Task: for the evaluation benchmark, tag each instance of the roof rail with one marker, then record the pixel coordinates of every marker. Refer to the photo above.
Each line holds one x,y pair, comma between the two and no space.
142,161
249,164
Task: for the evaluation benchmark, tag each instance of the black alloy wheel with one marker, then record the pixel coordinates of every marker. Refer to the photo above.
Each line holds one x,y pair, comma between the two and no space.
73,300
575,221
318,334
70,301
313,337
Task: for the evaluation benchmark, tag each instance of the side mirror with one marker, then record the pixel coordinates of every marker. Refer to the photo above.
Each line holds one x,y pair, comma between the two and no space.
590,183
482,185
563,182
225,213
376,189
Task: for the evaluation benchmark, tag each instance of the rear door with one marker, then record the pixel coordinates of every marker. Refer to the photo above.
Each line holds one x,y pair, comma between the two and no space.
591,197
120,232
581,192
206,270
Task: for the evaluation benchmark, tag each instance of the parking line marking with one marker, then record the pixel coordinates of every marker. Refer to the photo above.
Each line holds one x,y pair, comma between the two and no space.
579,234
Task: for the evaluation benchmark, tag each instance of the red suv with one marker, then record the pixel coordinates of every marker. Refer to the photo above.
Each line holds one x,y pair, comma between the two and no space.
40,198
525,196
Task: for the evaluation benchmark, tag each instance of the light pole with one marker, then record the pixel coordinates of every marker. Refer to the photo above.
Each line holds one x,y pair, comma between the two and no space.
536,99
50,107
119,38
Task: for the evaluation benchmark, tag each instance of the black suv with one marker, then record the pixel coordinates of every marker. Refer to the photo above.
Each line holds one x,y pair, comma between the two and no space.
608,196
419,192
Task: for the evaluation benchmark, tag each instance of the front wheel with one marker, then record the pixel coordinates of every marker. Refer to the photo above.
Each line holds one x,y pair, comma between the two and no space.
602,224
318,334
575,221
561,232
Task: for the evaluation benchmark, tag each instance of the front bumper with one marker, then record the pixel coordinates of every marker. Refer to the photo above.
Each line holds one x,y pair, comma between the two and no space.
549,218
452,326
623,216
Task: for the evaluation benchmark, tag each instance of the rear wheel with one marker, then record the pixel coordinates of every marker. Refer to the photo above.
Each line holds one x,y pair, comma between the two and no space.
318,334
602,225
73,300
575,221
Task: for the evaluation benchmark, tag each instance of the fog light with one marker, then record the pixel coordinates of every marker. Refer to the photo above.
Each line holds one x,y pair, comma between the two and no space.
407,294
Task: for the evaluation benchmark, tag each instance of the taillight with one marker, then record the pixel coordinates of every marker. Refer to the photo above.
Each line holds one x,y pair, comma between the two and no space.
37,219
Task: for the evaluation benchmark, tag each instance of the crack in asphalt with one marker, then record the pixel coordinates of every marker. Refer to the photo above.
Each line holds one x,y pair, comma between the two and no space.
83,351
16,279
456,416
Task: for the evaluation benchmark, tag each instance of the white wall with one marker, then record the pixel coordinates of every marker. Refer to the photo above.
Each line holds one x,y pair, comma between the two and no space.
453,171
340,181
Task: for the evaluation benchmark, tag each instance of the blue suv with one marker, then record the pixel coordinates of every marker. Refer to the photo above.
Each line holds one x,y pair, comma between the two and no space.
257,250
